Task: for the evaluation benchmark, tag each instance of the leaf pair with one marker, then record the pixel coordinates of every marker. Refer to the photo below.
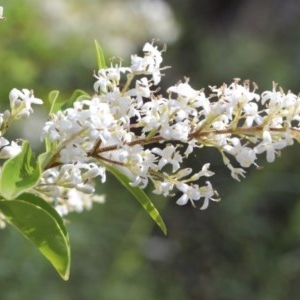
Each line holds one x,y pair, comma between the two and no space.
37,220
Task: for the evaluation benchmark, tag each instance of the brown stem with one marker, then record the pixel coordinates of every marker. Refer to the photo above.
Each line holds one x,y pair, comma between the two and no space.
110,160
158,138
198,134
143,141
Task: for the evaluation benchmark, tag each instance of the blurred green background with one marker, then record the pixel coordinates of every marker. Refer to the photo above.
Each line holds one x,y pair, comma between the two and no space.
245,247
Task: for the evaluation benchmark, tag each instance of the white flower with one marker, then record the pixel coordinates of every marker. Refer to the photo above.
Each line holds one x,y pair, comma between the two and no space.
183,90
204,172
190,193
252,114
163,188
75,200
149,64
71,153
207,193
274,98
137,63
183,173
269,146
245,156
168,155
178,131
108,79
236,172
102,83
143,87
8,149
20,102
235,93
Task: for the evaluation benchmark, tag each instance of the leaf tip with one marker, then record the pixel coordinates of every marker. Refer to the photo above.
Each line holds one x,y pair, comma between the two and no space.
65,276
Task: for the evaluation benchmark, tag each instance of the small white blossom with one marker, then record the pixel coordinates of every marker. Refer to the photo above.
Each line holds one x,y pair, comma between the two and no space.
21,101
163,188
168,155
190,193
252,115
8,149
143,87
269,146
108,79
204,172
246,157
183,90
236,172
149,64
207,193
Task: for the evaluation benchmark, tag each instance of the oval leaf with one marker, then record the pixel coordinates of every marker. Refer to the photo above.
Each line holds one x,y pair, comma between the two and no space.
40,223
140,195
19,173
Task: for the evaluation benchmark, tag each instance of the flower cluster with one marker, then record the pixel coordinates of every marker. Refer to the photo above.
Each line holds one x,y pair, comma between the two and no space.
147,136
129,126
20,108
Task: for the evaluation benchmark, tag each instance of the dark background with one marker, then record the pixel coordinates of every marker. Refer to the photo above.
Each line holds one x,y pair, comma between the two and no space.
245,247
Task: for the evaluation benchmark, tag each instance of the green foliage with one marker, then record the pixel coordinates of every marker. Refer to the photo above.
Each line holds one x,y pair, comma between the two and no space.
224,252
31,215
34,217
55,105
139,195
100,56
19,173
41,224
77,95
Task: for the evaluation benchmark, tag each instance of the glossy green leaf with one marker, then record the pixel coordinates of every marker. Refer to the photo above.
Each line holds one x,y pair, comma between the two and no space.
100,56
140,195
19,173
40,223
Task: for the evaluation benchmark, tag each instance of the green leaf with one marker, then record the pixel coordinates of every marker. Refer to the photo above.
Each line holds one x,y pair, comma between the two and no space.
45,158
39,222
57,104
19,173
100,56
151,134
53,100
77,95
140,195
